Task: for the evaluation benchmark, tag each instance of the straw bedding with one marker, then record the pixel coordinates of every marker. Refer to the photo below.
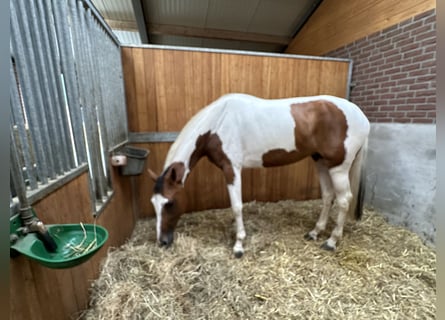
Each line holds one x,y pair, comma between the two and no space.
378,271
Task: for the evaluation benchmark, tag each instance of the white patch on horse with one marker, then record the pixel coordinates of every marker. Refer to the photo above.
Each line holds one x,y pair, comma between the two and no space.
237,208
158,202
269,127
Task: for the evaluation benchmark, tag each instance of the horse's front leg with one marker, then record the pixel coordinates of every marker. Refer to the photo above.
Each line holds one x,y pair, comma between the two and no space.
236,201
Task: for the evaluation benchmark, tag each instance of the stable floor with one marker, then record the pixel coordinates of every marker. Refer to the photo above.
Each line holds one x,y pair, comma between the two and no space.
378,271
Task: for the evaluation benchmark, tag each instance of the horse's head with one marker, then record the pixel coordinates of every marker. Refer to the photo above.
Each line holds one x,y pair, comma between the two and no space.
166,202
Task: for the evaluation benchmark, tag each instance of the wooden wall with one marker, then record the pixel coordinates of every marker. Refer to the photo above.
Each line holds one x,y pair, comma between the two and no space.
165,87
37,292
338,23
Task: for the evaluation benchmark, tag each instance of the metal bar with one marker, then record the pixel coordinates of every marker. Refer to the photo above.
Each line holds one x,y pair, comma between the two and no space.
27,80
14,205
239,52
19,122
16,172
60,14
99,18
138,11
91,171
49,49
148,137
349,85
94,124
99,208
47,106
123,119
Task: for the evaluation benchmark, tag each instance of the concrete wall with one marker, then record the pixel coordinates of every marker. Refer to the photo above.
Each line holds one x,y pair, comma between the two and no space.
401,175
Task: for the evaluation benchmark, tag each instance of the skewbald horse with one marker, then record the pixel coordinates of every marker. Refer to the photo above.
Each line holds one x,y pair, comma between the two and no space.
242,131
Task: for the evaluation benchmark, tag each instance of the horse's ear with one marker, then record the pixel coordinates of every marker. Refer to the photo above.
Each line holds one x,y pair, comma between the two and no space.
176,172
153,175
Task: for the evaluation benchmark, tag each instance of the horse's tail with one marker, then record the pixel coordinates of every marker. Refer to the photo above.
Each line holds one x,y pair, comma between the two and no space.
357,178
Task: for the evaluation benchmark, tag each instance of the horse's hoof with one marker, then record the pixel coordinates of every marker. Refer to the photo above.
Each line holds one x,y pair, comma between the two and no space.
238,254
327,247
308,237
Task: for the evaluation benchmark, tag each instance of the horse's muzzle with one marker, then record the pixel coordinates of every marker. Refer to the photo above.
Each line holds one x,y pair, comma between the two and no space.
166,239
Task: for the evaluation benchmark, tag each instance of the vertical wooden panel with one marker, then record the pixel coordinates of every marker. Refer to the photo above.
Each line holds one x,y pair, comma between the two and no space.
129,83
140,88
149,114
23,292
186,81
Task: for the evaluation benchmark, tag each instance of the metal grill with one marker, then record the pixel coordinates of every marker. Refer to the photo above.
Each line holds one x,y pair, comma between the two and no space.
66,97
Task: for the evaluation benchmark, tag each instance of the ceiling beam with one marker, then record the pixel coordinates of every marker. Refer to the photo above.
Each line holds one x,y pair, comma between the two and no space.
141,20
126,25
184,31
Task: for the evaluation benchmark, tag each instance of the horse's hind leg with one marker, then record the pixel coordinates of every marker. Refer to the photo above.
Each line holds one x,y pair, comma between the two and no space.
327,194
340,180
236,201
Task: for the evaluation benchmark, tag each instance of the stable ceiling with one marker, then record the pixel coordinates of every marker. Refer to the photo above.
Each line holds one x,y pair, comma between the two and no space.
258,25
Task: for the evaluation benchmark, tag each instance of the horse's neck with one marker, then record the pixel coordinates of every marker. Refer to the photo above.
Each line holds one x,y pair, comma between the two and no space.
187,148
184,150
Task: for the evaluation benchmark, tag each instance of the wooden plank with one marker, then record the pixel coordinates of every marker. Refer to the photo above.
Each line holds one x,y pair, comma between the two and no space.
67,298
140,114
209,33
338,23
148,114
23,290
48,292
130,88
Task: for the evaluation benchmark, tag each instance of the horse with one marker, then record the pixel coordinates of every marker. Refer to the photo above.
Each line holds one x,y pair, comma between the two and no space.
239,131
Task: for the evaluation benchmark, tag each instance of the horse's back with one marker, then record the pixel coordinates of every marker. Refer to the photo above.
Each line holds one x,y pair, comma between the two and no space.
250,126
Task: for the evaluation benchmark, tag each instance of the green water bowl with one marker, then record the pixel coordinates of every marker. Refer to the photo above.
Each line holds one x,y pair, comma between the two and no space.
74,245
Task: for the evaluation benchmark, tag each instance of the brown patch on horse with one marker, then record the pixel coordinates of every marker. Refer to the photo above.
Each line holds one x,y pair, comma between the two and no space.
281,157
210,145
320,132
170,182
320,128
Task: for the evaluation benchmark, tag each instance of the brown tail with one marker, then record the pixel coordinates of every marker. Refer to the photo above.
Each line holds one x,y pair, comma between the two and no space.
357,178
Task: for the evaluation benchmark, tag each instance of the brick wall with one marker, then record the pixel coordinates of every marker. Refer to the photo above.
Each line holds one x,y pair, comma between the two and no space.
394,71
